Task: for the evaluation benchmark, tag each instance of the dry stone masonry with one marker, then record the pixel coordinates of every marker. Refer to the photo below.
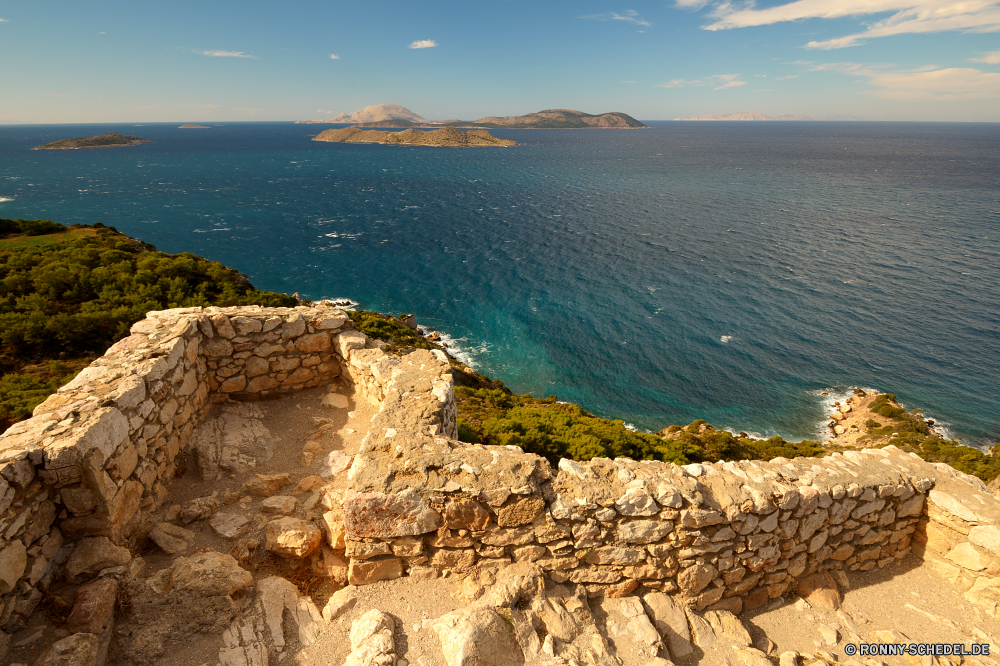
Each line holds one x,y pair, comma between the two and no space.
96,458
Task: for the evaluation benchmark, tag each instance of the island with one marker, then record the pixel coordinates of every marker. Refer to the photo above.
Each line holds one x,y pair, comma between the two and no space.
109,140
193,126
395,116
749,115
445,137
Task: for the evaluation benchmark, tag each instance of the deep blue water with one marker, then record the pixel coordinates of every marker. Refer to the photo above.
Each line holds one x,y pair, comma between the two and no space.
726,271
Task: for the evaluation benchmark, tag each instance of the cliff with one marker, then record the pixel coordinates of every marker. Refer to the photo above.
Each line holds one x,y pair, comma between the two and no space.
445,137
109,140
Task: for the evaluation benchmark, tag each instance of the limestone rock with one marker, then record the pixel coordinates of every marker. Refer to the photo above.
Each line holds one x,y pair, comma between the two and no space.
342,601
75,650
265,485
171,539
279,504
279,599
93,606
308,483
694,579
198,509
335,463
13,560
292,537
670,620
987,537
727,625
819,589
752,657
364,572
478,637
229,525
93,554
521,512
627,620
372,640
701,631
335,401
382,515
234,441
208,574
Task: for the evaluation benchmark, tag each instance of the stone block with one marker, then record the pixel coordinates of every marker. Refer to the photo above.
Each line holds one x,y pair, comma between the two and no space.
292,537
365,572
93,606
384,516
520,512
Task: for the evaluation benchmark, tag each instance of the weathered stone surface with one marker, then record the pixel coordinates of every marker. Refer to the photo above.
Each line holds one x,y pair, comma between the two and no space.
966,556
727,625
701,631
198,509
93,606
694,579
75,650
342,601
171,539
820,590
636,502
280,599
752,657
279,504
372,641
335,401
13,560
520,512
478,638
93,554
235,441
383,516
364,572
207,574
229,525
670,620
986,536
292,537
265,485
335,463
627,620
465,514
644,531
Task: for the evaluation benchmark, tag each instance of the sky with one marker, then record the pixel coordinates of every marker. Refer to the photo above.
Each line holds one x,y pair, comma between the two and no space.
112,61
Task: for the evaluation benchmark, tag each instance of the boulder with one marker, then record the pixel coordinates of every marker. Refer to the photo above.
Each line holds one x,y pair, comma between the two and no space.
335,401
627,620
75,650
819,589
371,640
265,485
279,504
292,537
670,620
480,637
171,539
229,525
342,601
208,574
279,599
93,554
198,509
93,606
726,625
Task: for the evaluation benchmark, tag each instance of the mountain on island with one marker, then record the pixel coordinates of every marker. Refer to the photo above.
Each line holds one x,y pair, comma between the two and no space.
393,115
109,140
748,115
374,114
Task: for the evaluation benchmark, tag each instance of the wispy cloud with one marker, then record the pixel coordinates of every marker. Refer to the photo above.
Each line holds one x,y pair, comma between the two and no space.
628,81
628,16
3,20
990,58
423,44
908,17
717,82
926,83
227,54
786,78
334,56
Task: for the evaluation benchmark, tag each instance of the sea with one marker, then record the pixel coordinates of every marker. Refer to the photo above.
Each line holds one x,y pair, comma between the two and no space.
748,274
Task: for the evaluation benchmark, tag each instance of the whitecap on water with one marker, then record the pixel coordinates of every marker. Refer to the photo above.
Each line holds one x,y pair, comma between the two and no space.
725,338
346,304
2,199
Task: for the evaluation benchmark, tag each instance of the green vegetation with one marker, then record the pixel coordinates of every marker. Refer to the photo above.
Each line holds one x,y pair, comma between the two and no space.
911,432
554,430
389,329
109,140
71,294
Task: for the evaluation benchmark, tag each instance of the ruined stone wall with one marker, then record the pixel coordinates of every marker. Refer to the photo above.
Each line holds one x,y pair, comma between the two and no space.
103,447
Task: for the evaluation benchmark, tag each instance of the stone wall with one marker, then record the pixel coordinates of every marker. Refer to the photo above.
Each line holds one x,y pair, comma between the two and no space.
101,449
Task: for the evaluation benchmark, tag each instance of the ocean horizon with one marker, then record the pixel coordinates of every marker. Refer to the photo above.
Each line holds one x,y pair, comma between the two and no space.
729,271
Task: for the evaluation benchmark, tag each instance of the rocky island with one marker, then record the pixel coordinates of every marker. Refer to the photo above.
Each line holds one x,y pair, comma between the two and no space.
444,137
193,126
109,140
395,116
748,116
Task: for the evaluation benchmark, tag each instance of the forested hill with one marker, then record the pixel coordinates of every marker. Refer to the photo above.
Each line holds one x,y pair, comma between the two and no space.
68,293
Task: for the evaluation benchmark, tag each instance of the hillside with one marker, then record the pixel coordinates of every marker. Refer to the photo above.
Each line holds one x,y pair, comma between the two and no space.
374,114
561,119
109,140
445,137
68,293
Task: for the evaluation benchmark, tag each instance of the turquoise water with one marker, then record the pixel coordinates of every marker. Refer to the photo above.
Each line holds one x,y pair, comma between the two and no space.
726,271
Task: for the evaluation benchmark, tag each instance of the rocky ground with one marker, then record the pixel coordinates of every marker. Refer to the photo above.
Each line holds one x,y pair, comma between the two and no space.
238,569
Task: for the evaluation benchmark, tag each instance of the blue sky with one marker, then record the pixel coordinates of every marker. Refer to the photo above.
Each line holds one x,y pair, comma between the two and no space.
141,61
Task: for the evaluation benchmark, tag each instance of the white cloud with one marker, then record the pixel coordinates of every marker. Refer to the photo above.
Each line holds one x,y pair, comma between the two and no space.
227,54
3,20
423,44
786,78
990,58
629,16
334,56
927,83
718,82
908,17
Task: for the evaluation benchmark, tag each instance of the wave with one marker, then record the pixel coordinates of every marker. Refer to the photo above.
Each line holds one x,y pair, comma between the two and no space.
345,304
465,352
